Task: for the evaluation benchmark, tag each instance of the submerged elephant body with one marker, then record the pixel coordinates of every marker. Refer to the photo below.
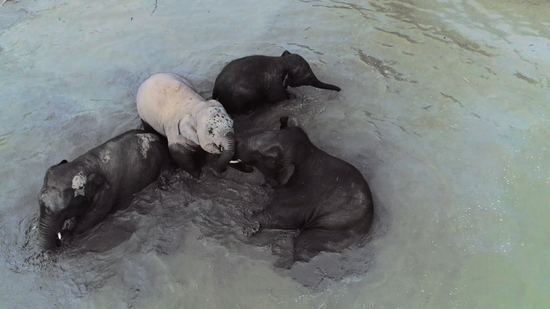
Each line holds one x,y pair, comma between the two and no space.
246,82
326,198
85,190
194,127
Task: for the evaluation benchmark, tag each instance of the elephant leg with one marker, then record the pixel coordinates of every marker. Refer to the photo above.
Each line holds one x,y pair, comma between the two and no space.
187,158
279,217
211,160
311,242
199,157
277,95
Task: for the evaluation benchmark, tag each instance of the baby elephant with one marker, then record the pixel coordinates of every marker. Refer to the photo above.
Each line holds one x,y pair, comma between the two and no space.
194,127
327,199
246,82
79,194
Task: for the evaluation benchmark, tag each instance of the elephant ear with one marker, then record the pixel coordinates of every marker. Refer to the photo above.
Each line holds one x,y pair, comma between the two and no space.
94,183
288,122
284,174
286,52
288,79
187,128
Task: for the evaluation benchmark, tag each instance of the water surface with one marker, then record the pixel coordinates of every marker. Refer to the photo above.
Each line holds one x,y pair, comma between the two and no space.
444,110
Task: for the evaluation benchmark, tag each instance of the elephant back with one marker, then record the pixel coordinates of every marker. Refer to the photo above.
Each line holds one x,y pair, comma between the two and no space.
165,98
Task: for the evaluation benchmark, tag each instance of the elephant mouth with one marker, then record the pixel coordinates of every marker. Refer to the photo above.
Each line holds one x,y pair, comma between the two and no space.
61,234
67,227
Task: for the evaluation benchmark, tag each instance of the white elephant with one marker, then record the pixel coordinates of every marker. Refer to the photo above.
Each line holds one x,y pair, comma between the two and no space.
193,126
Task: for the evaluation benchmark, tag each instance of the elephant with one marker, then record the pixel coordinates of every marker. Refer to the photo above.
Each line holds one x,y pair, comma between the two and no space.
327,199
77,195
246,82
194,128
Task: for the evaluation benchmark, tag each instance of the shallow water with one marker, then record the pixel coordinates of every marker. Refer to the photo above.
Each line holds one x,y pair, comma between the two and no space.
444,110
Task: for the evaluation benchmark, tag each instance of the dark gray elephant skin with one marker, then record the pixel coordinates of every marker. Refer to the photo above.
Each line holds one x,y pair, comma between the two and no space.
324,197
246,82
79,194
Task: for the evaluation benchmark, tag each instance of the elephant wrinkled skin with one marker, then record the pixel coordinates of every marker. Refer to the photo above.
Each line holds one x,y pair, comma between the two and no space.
324,197
195,128
246,82
77,195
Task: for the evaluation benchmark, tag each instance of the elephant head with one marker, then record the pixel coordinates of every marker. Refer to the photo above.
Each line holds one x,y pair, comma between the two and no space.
65,195
216,136
299,73
275,153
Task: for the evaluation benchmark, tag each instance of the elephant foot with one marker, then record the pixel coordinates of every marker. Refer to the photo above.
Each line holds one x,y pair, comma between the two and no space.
284,262
195,174
187,175
251,228
270,183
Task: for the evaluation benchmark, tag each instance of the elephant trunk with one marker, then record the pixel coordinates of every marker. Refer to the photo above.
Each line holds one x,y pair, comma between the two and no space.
239,150
48,235
227,153
319,84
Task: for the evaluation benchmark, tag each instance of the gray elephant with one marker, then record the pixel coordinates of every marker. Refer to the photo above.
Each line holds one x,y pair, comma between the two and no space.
245,83
325,198
194,128
79,194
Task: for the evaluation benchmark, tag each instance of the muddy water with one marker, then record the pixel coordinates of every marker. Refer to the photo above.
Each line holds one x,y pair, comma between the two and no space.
444,109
